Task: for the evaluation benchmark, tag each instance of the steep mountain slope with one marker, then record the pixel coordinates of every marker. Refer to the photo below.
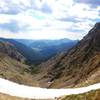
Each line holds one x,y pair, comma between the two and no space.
31,55
12,67
10,50
78,67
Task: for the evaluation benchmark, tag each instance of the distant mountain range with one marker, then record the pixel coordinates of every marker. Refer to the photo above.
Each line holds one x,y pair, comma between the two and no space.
43,42
48,48
31,55
37,51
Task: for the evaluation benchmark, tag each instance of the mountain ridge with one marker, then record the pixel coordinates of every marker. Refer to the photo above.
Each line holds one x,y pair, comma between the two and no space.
78,65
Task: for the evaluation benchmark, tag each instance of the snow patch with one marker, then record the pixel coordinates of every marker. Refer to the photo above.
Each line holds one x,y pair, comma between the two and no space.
14,89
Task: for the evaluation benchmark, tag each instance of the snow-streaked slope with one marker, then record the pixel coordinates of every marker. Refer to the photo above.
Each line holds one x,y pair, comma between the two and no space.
15,89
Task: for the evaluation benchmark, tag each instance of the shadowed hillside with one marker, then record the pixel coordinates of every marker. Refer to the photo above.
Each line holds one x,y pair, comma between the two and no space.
45,49
40,51
10,50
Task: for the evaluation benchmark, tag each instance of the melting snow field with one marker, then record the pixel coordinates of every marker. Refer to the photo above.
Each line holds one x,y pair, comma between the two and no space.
14,89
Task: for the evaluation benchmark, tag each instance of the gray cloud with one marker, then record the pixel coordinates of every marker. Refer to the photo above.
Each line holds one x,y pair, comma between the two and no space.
46,9
10,7
75,30
13,27
92,3
68,19
11,10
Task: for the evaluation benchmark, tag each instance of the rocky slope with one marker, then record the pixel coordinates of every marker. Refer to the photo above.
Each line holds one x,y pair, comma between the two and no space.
31,56
12,65
79,66
10,50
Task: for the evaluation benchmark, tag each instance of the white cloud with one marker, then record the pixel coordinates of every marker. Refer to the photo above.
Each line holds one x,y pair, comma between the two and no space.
4,20
39,23
42,34
83,11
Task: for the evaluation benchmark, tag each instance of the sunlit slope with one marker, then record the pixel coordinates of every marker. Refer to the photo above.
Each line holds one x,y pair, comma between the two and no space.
92,95
80,66
12,65
8,97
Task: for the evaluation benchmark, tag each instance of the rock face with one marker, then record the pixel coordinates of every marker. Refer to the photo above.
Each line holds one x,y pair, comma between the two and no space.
10,50
77,67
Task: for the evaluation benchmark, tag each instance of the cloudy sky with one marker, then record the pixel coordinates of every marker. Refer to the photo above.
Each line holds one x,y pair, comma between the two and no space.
48,19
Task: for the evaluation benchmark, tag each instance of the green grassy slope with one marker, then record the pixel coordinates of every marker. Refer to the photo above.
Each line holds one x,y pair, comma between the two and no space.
92,95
